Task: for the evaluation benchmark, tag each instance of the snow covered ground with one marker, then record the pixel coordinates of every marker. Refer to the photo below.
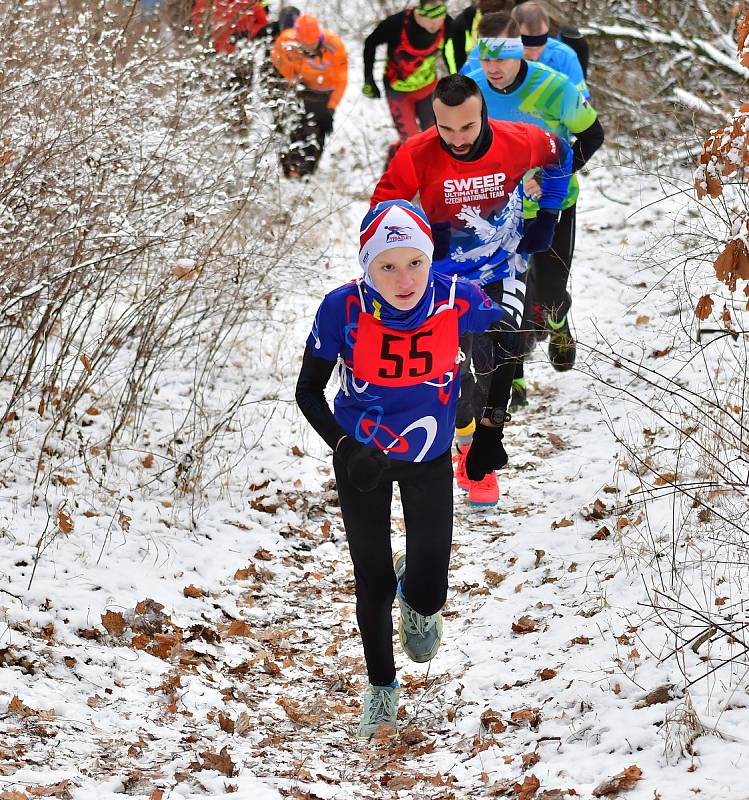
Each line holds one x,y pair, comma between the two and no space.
173,647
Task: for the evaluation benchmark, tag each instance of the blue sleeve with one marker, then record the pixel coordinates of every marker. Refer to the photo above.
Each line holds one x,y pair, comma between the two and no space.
555,178
326,337
482,311
574,72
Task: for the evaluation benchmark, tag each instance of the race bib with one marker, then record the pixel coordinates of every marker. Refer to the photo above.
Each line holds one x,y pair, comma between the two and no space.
389,357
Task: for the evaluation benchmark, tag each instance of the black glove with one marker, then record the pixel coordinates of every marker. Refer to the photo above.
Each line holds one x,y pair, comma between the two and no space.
441,239
371,90
539,233
364,465
487,452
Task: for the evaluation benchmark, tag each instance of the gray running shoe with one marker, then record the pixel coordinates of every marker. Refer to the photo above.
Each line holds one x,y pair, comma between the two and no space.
420,634
380,708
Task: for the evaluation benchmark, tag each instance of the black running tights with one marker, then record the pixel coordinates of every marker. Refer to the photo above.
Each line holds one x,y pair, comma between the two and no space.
426,492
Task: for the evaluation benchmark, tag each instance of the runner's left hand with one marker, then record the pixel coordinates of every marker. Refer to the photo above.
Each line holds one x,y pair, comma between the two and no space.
487,452
539,233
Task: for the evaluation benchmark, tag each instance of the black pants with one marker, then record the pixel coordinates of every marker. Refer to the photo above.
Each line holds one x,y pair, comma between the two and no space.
488,353
550,271
304,119
427,495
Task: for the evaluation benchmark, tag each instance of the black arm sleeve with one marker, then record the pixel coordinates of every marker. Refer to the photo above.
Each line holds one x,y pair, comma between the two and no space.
387,32
310,397
586,143
460,27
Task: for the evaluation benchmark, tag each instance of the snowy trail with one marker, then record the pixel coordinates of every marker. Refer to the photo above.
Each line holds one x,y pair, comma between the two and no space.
246,681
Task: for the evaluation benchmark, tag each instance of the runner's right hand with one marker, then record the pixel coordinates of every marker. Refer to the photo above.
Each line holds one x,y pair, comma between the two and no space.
371,90
364,465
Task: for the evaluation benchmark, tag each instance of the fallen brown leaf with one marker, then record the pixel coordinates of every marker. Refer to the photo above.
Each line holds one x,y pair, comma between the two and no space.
527,789
546,674
295,713
621,782
531,716
61,789
239,628
113,622
193,592
525,625
65,522
412,735
557,441
221,762
580,640
601,534
492,721
562,523
243,724
400,782
663,694
493,578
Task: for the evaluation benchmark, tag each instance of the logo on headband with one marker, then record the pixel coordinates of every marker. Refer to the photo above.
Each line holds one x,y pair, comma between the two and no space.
500,47
397,233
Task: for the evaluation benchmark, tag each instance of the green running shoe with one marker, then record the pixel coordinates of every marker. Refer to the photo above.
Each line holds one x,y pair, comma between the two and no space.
519,396
562,348
380,708
420,634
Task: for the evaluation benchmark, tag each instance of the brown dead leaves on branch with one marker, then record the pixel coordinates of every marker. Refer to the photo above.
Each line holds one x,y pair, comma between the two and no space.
725,153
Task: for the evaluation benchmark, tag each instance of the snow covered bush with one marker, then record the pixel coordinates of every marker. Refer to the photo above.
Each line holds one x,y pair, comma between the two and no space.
686,432
141,231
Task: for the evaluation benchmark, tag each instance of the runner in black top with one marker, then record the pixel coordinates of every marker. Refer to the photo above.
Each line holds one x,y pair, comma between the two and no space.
415,40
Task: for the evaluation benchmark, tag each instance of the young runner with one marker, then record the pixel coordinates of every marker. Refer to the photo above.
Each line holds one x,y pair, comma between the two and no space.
415,39
314,61
526,91
393,336
467,171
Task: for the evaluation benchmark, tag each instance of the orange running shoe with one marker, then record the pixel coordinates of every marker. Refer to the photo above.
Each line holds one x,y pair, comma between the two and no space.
460,468
484,492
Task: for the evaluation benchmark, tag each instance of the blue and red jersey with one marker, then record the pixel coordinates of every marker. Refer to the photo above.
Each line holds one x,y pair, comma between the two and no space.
399,388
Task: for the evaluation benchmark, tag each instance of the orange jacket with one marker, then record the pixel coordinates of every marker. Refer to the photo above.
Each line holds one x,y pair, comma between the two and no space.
324,71
228,20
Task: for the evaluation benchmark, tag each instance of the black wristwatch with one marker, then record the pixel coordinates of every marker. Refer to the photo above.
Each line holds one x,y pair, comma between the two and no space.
497,416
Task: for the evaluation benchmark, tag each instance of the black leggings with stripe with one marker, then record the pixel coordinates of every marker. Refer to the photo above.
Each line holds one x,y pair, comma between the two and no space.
486,353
